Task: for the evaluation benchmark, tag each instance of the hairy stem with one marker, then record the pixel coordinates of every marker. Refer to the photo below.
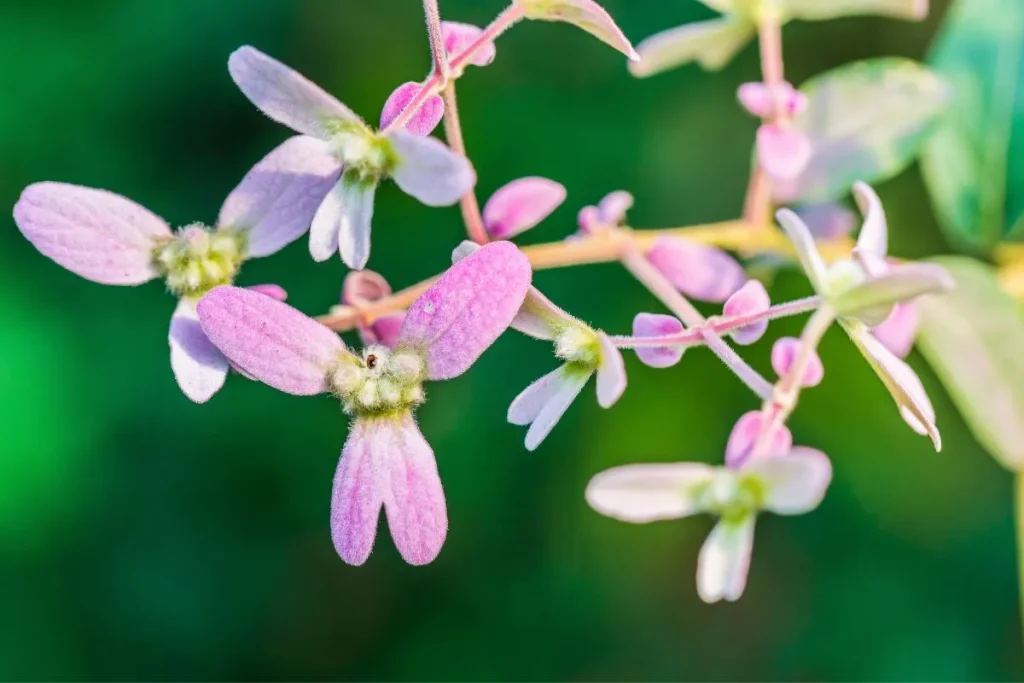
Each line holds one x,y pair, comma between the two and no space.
453,131
437,49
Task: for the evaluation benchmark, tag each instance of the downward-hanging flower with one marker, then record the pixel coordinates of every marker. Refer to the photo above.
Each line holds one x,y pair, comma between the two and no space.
787,482
422,167
864,290
109,239
386,461
782,151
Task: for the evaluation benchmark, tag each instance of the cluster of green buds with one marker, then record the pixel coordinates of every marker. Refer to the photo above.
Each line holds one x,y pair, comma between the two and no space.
198,258
378,382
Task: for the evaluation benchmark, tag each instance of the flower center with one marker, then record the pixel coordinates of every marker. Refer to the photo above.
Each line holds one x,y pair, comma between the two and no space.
731,495
365,155
197,258
842,276
578,344
381,381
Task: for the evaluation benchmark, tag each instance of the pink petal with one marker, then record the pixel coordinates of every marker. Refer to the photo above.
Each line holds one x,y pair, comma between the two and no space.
784,354
697,270
744,436
613,207
277,199
426,118
897,332
750,299
589,219
611,373
96,234
385,330
756,98
539,317
584,14
655,325
782,153
542,404
358,492
458,37
366,286
828,221
467,309
521,205
270,340
287,96
273,291
199,367
429,171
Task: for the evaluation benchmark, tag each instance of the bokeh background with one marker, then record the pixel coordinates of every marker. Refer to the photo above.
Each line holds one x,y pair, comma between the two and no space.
144,537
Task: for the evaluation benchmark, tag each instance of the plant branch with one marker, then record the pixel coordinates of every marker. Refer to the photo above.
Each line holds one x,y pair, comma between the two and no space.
436,35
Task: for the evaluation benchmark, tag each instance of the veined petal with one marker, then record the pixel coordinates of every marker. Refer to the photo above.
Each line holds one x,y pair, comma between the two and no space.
649,493
429,171
794,483
700,271
276,201
269,340
783,153
724,560
96,234
750,299
897,332
744,437
539,317
542,404
424,120
874,234
358,491
520,205
901,381
815,10
710,43
584,14
287,96
458,37
657,325
611,373
803,242
467,309
199,366
872,301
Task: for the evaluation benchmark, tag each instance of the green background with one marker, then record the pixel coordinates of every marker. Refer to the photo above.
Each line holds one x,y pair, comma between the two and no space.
142,536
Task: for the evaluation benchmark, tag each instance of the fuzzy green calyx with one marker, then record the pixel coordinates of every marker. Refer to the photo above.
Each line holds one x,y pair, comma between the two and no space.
381,381
731,495
366,156
579,345
198,258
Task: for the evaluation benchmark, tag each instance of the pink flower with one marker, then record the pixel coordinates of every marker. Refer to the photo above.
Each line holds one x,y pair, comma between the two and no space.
610,213
422,167
109,239
897,332
784,354
657,325
744,437
520,205
750,299
459,37
759,100
363,287
386,462
427,115
697,270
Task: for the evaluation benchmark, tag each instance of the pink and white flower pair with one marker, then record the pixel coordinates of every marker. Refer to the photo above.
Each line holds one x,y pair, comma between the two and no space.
109,239
386,462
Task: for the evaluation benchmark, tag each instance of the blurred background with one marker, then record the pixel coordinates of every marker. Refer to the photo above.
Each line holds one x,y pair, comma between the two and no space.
144,537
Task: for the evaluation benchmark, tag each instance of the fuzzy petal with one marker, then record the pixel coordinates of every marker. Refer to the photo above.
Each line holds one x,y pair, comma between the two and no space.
794,483
710,43
803,243
277,199
521,205
656,325
343,222
897,332
649,493
750,299
724,560
269,340
96,234
426,118
584,14
782,153
697,270
874,235
199,367
611,373
458,37
386,330
358,492
429,171
744,436
467,309
539,317
287,96
901,381
542,404
784,354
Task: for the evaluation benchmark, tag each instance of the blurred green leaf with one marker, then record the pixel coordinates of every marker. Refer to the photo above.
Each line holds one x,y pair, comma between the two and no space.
973,337
818,10
866,121
974,164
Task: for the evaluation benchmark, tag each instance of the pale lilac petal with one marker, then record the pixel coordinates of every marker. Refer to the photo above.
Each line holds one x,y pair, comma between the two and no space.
656,325
539,317
275,202
287,96
611,373
199,367
273,291
897,332
901,381
269,340
697,270
783,153
649,493
757,99
584,14
874,235
426,118
413,497
613,207
803,243
784,354
750,299
96,234
429,171
467,309
828,221
525,407
323,232
458,37
724,560
794,483
358,491
542,404
744,436
710,43
521,205
343,222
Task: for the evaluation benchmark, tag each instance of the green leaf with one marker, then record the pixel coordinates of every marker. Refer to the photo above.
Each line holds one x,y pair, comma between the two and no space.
818,10
974,338
974,164
866,121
